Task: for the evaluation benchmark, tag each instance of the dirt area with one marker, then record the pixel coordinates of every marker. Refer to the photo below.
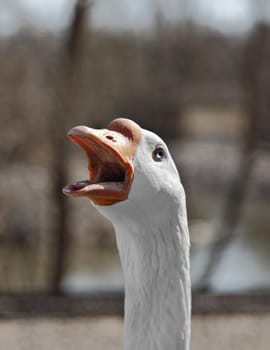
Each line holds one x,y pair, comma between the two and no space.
233,332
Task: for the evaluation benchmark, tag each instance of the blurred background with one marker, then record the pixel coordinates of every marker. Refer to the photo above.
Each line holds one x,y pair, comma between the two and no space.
195,72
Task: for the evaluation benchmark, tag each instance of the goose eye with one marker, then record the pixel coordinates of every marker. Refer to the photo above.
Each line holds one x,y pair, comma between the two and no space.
158,154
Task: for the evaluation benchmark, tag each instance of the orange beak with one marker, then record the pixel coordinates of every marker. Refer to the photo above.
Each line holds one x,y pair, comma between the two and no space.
110,153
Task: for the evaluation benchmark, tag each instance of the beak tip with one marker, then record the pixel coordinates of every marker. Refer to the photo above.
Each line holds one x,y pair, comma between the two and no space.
65,190
78,130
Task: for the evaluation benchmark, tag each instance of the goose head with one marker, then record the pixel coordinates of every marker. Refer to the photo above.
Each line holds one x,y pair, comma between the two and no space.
130,169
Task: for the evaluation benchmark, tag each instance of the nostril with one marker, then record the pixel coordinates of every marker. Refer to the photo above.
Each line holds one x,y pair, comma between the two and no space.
110,137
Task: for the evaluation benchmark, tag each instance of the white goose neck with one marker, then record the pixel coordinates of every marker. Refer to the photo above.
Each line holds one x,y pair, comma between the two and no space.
155,262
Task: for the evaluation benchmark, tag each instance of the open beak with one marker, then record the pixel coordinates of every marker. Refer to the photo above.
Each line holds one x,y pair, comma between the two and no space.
110,153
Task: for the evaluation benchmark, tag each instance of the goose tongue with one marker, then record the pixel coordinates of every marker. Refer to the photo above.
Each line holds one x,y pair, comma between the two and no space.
110,153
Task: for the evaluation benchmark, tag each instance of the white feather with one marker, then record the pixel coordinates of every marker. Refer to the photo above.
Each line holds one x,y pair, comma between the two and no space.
153,243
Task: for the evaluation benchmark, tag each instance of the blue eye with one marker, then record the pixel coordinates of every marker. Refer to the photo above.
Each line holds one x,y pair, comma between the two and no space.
158,154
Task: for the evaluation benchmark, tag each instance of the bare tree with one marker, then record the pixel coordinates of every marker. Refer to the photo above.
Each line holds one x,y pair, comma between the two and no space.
65,95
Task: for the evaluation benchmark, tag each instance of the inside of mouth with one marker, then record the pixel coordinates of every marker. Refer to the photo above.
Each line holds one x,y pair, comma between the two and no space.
103,165
105,173
109,172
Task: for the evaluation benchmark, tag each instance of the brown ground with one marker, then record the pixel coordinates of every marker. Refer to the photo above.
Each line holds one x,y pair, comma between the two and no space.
234,332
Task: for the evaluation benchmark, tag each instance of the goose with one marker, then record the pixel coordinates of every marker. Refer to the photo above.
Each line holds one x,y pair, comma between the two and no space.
135,184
